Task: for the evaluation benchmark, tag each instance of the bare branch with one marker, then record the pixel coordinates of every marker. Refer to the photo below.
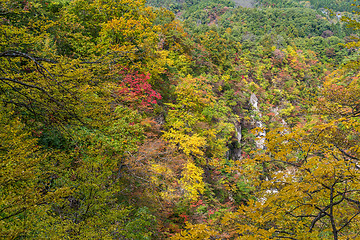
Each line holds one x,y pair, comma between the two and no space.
14,214
347,223
346,154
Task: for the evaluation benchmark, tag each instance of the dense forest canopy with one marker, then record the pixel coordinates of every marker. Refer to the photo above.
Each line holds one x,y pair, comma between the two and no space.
179,119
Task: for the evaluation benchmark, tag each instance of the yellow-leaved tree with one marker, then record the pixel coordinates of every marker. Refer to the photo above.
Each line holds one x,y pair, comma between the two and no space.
19,158
198,126
308,179
65,130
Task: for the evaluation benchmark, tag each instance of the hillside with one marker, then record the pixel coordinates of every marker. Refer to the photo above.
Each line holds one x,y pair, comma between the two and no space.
179,119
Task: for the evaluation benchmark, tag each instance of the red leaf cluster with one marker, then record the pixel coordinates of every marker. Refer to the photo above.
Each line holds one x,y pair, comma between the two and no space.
136,90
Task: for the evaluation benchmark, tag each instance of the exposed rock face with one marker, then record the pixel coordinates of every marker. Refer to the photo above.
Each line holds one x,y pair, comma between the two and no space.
234,151
237,151
254,102
260,138
234,148
245,3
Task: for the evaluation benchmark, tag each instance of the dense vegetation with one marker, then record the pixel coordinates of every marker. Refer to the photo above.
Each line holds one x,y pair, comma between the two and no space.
179,119
342,5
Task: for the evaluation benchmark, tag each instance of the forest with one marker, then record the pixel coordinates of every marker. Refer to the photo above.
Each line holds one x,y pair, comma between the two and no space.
179,119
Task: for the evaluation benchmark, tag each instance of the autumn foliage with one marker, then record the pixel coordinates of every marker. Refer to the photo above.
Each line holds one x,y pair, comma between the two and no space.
121,119
135,90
